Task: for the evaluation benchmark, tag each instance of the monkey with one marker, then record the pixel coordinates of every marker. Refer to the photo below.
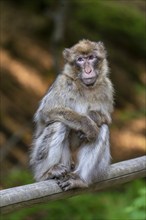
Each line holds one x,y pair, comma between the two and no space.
71,140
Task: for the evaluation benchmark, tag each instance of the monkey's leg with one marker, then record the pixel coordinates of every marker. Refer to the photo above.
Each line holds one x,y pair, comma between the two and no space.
93,162
48,159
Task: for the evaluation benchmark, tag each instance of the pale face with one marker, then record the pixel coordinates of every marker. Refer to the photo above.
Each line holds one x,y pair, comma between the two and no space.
87,71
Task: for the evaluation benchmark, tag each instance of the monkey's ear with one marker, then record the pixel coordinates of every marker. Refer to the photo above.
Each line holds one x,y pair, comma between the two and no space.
101,48
66,54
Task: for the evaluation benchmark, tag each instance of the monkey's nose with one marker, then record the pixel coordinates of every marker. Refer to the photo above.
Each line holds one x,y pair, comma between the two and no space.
88,70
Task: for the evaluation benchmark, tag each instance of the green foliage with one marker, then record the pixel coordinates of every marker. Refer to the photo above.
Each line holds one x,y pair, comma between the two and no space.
109,205
137,210
115,22
17,177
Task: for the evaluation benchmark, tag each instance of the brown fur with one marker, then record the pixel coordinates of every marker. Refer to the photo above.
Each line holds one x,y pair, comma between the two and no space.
77,107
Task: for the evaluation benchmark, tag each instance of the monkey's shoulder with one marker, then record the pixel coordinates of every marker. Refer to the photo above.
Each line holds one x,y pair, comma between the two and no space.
59,94
65,82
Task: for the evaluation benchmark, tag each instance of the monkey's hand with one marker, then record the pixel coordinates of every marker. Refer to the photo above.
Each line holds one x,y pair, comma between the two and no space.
89,128
99,118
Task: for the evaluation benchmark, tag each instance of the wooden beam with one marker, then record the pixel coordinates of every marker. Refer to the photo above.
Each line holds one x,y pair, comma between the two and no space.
23,196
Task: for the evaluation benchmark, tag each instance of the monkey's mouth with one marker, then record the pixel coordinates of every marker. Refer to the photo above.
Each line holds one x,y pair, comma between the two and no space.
89,81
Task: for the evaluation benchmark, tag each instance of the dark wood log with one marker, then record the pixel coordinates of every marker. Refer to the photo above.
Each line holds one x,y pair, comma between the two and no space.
41,192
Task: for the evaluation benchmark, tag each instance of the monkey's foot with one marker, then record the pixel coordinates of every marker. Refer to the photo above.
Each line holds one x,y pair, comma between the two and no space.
71,181
56,172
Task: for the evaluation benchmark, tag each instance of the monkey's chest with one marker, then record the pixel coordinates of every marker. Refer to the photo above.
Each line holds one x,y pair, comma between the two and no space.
84,108
81,107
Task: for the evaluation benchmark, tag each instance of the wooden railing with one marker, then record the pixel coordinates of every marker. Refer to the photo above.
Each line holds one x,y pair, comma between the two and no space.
42,192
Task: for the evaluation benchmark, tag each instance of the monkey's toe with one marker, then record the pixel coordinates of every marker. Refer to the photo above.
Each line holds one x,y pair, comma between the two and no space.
65,185
71,181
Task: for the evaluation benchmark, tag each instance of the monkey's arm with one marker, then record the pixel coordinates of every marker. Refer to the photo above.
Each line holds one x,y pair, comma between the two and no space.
101,114
73,120
100,118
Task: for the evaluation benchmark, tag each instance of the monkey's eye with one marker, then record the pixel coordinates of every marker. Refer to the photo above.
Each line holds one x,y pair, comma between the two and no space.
91,57
80,59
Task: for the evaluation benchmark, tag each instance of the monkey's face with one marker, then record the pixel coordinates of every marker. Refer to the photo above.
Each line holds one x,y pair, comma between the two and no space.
86,59
87,68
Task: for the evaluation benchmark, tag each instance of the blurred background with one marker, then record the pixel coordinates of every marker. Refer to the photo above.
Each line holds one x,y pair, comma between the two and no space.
33,35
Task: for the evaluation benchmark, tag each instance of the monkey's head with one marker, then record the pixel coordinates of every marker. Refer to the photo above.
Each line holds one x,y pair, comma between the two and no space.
87,60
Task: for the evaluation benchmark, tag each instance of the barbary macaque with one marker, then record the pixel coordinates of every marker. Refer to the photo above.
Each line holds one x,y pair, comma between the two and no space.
71,141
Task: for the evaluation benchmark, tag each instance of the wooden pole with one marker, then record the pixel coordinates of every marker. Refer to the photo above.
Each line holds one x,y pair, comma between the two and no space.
41,192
